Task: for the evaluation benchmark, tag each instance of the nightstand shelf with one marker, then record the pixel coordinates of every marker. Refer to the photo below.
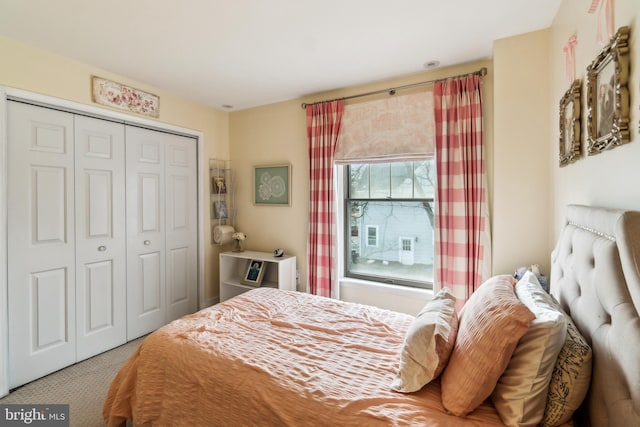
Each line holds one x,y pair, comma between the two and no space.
280,272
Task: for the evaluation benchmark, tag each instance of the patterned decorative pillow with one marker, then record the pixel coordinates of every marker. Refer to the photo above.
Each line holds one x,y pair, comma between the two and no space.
427,344
491,323
570,378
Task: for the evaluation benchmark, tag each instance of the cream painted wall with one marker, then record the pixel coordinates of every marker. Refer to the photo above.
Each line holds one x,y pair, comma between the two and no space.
527,190
276,133
521,168
35,70
611,178
272,134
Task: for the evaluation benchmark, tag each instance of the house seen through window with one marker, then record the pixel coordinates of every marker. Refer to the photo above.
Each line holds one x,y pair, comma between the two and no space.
389,216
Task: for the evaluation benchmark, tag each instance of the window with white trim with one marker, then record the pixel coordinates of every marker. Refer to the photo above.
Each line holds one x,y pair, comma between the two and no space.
388,222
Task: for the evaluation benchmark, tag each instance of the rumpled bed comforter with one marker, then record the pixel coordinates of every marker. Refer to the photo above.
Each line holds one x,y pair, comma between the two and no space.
276,358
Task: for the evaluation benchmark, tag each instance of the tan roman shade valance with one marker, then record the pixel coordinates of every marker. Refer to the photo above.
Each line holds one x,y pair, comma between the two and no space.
393,128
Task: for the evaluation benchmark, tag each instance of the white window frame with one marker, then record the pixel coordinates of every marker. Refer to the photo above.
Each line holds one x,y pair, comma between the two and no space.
377,229
342,192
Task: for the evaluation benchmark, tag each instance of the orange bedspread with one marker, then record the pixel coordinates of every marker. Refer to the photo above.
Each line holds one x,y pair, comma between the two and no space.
273,358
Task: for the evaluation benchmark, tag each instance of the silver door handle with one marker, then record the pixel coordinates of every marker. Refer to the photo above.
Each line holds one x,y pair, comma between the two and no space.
147,242
102,248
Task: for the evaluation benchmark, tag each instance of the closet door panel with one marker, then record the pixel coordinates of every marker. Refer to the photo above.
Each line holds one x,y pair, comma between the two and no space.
100,204
182,231
41,242
100,236
146,300
178,269
150,277
99,302
49,303
48,203
149,209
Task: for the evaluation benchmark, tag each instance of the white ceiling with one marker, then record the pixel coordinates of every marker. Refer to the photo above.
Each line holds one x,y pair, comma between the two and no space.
246,53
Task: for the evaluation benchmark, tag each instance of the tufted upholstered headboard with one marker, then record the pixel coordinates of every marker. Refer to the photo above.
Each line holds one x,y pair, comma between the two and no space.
595,274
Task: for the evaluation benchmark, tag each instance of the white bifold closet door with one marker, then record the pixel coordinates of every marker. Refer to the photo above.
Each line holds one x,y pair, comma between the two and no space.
102,236
41,242
101,287
67,271
161,229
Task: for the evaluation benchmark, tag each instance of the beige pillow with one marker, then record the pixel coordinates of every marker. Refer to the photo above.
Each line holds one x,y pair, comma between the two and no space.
427,343
570,378
491,323
521,393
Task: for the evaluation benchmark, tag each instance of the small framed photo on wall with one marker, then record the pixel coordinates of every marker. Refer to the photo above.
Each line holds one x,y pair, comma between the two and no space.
220,210
218,185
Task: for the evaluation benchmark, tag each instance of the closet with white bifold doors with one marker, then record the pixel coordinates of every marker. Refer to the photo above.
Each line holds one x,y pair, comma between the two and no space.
102,235
161,229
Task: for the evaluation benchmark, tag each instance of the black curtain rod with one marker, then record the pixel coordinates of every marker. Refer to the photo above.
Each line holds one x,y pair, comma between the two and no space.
392,91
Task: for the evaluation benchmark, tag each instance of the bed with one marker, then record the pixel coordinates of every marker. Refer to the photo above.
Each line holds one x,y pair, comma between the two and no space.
270,357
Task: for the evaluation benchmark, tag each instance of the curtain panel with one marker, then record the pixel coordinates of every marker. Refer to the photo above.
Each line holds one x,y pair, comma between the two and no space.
463,245
393,128
323,126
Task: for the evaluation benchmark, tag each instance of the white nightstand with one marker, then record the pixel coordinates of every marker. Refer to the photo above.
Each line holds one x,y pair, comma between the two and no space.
280,272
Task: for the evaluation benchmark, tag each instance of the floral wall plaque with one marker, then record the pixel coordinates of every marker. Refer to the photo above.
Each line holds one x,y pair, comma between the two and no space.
112,94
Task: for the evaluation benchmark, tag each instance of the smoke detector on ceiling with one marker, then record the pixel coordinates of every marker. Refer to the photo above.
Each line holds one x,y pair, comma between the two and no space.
430,65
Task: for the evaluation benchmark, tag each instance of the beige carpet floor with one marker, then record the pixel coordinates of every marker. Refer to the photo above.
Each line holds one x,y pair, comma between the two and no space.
83,386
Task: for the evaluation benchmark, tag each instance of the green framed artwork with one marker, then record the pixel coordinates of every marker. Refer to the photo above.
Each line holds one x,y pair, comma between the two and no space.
272,185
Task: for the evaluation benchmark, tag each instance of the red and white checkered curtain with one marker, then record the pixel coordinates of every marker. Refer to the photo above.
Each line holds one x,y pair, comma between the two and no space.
323,125
463,242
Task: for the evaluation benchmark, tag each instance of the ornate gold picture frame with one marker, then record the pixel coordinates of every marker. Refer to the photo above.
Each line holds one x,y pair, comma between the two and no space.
608,95
570,105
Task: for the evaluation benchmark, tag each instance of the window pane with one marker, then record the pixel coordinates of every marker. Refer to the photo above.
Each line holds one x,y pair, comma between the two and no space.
359,181
425,172
380,180
372,236
402,180
403,233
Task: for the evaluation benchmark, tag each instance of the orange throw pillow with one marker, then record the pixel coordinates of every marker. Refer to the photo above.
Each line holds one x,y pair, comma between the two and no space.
490,325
